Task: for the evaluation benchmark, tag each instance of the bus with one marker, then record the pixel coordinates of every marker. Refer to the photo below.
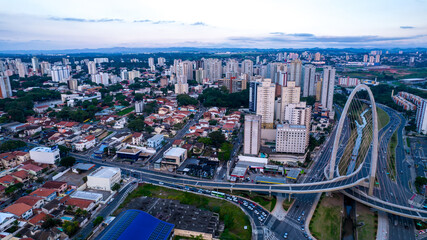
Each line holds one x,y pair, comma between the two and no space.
218,194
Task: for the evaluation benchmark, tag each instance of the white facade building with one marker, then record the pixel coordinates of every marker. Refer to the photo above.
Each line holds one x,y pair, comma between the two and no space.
252,137
265,102
103,178
291,138
328,84
45,154
421,117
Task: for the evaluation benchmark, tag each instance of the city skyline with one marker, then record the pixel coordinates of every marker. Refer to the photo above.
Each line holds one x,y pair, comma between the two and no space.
48,25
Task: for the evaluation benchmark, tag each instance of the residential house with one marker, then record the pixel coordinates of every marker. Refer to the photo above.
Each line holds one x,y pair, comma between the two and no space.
58,186
34,202
46,194
21,210
137,138
85,143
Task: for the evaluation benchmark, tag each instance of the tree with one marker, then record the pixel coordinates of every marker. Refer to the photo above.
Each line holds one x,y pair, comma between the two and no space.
11,145
217,138
224,153
50,222
98,220
67,161
63,150
115,187
70,228
185,99
136,125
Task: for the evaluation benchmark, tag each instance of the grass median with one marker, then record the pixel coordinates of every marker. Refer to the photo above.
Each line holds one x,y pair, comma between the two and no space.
326,221
232,216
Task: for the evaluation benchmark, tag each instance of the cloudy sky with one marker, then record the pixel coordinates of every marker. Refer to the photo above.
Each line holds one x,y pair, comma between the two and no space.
65,24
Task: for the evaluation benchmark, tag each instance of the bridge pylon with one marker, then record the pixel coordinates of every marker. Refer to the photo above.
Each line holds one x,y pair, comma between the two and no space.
374,152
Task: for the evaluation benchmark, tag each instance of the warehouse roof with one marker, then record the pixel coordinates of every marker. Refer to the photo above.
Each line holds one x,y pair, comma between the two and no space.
128,226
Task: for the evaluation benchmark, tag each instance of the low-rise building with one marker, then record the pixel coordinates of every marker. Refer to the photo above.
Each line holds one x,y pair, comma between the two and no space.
103,178
45,154
155,141
46,194
174,156
85,143
21,210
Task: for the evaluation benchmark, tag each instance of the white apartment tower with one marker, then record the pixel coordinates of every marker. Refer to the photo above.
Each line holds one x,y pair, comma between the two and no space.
265,102
91,66
290,94
309,81
248,67
252,137
35,63
328,84
294,70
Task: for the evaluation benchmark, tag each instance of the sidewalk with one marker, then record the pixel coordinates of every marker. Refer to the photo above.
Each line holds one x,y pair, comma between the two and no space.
278,210
382,232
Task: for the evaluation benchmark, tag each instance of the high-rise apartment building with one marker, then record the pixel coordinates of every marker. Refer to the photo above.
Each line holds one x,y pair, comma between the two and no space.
309,81
295,72
72,84
421,117
290,94
60,73
161,61
328,87
150,62
317,56
139,107
253,93
265,102
22,69
248,67
252,136
35,63
5,87
91,66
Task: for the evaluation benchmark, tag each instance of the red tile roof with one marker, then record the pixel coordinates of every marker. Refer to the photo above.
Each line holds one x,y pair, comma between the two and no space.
29,200
43,192
38,219
18,209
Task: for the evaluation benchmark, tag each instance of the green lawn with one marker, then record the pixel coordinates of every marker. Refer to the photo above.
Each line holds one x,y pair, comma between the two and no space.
326,221
232,216
126,111
287,204
392,155
383,118
367,230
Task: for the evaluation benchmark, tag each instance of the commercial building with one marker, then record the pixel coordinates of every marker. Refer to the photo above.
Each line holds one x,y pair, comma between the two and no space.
174,156
103,178
309,81
328,87
252,137
45,154
265,102
137,225
155,141
291,138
